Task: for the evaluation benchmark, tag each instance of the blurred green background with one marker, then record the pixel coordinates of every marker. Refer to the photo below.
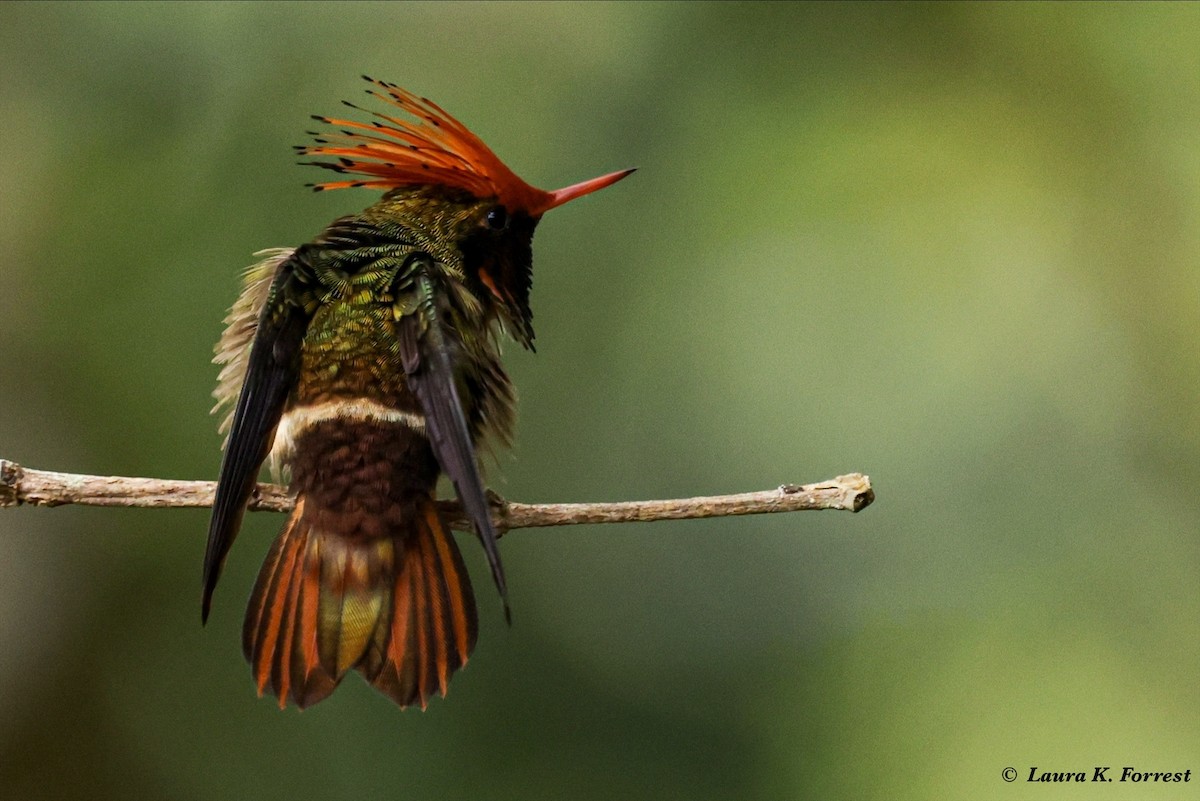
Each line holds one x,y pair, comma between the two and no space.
951,246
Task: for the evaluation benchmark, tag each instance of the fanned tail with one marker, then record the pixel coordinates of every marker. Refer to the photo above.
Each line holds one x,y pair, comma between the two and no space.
398,609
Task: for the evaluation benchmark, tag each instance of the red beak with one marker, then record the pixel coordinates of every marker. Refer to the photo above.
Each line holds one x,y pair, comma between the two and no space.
561,196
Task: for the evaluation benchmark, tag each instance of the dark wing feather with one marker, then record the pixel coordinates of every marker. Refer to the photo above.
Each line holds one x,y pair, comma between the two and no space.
270,375
241,324
429,366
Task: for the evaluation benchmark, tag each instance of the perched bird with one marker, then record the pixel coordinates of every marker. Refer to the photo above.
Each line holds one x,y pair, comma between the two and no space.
366,363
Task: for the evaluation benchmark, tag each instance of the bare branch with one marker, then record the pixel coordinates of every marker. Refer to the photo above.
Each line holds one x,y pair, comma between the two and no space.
20,485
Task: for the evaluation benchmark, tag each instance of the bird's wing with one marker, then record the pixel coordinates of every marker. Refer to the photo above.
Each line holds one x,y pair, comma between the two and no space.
267,377
428,356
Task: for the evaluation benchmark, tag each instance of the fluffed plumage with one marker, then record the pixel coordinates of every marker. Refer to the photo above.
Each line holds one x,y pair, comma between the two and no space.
366,363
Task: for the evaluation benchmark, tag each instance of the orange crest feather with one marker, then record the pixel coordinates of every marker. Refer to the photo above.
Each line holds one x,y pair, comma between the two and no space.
436,149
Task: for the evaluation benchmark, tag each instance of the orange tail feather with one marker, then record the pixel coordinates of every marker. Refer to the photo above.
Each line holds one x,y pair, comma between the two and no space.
399,610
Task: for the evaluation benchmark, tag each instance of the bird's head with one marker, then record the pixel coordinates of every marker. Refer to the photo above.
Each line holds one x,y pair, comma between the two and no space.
441,180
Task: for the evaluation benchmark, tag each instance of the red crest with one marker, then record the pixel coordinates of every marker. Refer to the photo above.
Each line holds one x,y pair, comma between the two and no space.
434,148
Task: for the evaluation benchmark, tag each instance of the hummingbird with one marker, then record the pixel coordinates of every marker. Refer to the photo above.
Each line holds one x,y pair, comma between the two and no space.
366,364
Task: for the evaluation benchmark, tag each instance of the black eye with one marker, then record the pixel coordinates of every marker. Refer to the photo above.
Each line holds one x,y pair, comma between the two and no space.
497,218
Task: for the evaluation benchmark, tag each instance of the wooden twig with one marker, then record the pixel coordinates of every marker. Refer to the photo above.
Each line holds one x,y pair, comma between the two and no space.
20,485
